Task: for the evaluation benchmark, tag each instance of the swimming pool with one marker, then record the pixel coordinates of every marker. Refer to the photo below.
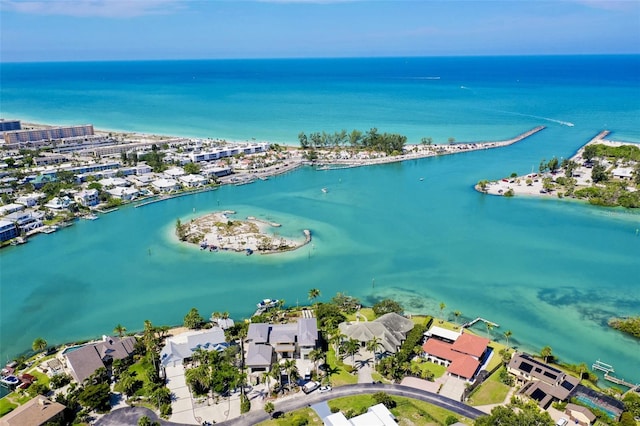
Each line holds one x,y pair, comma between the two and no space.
71,349
588,401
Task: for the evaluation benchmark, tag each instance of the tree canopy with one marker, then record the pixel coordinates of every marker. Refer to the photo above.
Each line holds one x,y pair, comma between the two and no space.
193,319
386,306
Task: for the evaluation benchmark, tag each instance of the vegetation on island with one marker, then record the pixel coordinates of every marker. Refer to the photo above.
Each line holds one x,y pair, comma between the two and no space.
389,143
629,325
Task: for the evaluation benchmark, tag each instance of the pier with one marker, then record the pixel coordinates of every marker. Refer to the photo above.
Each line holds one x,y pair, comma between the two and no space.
471,323
601,366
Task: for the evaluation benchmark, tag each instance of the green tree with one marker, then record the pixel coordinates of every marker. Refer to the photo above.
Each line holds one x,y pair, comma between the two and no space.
506,416
315,356
589,152
553,164
120,330
350,348
483,184
451,140
192,168
442,306
426,141
385,399
291,368
39,344
507,334
373,345
546,353
456,315
599,173
193,320
314,293
269,407
386,306
96,397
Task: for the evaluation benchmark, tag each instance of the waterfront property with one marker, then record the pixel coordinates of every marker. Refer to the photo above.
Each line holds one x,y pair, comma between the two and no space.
377,415
390,328
462,353
38,411
540,381
268,342
24,136
181,347
8,230
83,362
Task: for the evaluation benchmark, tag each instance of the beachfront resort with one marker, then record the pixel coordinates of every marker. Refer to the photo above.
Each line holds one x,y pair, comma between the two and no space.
332,363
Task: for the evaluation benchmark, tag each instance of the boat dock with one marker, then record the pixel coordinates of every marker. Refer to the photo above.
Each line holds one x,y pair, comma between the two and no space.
601,366
471,323
618,381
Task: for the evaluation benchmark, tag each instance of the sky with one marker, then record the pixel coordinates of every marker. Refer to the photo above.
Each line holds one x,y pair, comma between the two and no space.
89,30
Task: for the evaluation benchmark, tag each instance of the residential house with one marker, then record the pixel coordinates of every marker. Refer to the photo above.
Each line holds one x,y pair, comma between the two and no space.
215,171
8,230
26,220
10,208
462,353
83,362
113,182
174,172
293,340
193,181
59,203
38,411
579,415
182,346
30,200
540,381
125,194
87,197
390,328
165,185
623,173
377,415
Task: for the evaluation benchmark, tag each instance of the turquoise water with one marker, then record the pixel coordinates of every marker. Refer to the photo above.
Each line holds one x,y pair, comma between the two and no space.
552,272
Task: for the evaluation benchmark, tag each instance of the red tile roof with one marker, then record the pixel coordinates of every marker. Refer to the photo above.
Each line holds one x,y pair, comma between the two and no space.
439,349
471,345
463,366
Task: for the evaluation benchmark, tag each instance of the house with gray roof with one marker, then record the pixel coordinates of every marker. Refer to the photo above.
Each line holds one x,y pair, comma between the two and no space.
293,340
182,346
83,362
390,328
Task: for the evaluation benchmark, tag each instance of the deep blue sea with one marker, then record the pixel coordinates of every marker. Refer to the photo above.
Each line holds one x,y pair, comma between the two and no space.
553,272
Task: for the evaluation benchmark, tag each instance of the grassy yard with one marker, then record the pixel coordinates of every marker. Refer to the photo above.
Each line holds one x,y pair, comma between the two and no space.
407,411
340,374
366,312
437,370
6,406
492,391
290,418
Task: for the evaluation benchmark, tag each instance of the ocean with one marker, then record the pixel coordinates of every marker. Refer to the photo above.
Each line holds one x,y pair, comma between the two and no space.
551,271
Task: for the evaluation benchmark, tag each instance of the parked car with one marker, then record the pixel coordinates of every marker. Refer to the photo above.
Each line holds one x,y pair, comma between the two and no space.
562,422
323,389
310,387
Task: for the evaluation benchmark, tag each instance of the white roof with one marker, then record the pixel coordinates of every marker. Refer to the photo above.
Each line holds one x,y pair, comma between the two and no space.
367,419
193,178
443,333
174,172
165,183
622,171
383,414
336,419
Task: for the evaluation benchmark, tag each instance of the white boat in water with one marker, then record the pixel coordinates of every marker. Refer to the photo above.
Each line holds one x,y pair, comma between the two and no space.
267,303
325,190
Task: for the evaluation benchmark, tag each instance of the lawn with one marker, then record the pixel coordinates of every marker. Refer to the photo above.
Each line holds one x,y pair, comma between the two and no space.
340,376
6,406
408,411
366,312
292,417
492,391
436,369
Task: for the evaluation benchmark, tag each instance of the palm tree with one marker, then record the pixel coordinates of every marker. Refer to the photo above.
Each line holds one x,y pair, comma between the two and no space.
291,369
546,353
489,327
266,378
314,293
276,374
442,306
120,330
315,356
269,407
39,344
373,345
457,314
507,335
351,348
336,340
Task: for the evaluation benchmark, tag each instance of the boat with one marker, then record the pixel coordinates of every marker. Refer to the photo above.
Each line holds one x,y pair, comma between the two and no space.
267,303
91,216
10,380
325,190
249,251
18,240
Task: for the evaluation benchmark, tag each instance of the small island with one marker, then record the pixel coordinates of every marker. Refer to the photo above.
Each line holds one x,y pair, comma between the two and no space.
216,231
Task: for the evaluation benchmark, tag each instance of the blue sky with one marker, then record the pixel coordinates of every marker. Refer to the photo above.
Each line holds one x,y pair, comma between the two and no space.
63,30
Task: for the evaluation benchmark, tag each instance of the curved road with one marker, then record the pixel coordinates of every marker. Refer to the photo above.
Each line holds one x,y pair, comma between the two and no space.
129,416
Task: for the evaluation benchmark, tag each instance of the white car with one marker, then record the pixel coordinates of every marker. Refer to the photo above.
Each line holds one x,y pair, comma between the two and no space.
562,422
323,389
310,387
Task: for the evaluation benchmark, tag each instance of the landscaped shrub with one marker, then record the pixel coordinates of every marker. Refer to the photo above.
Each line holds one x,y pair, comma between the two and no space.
245,404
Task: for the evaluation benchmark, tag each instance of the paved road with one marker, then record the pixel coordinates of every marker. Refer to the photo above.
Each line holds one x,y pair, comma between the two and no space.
129,416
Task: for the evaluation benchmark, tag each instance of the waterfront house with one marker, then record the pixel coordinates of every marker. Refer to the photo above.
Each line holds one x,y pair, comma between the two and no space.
113,182
59,203
87,197
10,208
8,230
26,220
38,411
165,185
540,381
390,328
174,172
181,347
622,173
84,361
293,340
462,353
193,181
377,415
125,194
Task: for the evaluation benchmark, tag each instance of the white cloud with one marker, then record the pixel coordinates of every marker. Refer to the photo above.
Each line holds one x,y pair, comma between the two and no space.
88,8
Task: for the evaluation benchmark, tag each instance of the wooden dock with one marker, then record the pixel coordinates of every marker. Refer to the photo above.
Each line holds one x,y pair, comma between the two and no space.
619,381
601,366
471,323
